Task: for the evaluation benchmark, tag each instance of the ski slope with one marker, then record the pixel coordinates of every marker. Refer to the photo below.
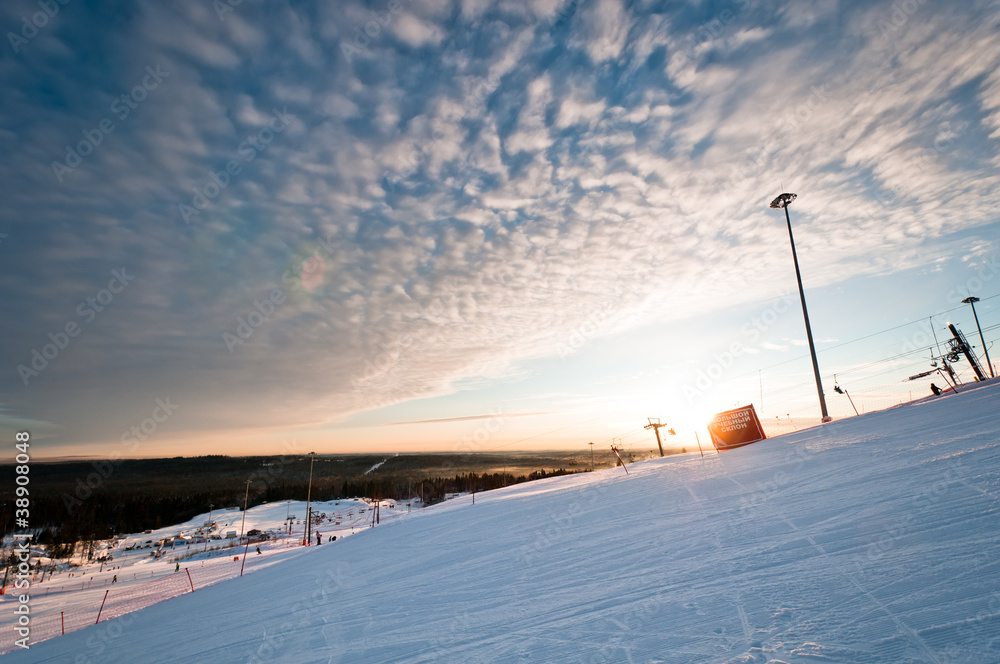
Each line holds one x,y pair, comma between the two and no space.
872,539
136,570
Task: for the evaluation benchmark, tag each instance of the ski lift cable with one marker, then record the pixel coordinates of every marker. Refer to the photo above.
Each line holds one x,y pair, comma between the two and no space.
868,336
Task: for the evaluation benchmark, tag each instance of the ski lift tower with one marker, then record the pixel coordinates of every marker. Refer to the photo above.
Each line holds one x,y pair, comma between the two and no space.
655,426
959,345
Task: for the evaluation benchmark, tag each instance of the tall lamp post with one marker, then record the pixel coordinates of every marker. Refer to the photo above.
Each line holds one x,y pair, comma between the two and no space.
305,542
781,203
971,301
245,498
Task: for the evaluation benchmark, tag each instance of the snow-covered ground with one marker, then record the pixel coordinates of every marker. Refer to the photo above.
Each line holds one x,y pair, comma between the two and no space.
142,568
872,539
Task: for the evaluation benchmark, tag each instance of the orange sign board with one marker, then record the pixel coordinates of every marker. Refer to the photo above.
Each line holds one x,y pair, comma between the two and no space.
736,428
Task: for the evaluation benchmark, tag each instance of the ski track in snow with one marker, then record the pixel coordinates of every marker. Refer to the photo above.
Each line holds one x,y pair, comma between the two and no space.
375,467
871,539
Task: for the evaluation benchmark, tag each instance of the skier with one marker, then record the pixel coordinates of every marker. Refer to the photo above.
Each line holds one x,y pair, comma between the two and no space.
318,539
115,579
935,389
177,566
258,550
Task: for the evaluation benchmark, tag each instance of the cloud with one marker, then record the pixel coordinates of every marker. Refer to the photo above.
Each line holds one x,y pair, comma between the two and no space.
602,29
469,418
467,188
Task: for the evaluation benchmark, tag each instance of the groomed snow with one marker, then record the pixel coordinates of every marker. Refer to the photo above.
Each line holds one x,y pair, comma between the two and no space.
872,539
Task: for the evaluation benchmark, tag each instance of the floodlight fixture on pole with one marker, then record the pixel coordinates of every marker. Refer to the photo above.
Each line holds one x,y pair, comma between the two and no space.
971,301
781,203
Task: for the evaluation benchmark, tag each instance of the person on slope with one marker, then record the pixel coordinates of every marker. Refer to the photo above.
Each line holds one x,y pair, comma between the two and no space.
935,389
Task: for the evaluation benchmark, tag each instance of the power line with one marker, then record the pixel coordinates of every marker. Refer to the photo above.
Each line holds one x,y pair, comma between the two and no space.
869,336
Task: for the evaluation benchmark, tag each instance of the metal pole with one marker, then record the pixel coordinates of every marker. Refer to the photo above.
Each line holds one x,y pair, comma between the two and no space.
312,457
699,443
972,303
805,315
102,606
760,380
615,450
245,510
591,457
852,402
244,561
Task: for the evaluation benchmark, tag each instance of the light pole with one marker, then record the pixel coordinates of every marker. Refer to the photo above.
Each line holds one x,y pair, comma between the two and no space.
782,202
312,458
244,510
209,533
971,301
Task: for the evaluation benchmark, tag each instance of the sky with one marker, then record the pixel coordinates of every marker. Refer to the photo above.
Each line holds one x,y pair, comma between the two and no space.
467,225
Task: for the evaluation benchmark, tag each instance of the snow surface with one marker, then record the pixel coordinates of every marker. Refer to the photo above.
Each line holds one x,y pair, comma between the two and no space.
872,539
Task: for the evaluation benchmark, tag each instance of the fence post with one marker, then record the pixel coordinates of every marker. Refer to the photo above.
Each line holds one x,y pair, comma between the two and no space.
102,606
189,578
62,619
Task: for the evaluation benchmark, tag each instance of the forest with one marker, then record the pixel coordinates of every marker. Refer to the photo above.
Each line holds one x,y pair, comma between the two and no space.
84,501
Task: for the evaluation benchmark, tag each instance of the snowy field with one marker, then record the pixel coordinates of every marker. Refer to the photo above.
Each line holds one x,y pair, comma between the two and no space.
873,539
